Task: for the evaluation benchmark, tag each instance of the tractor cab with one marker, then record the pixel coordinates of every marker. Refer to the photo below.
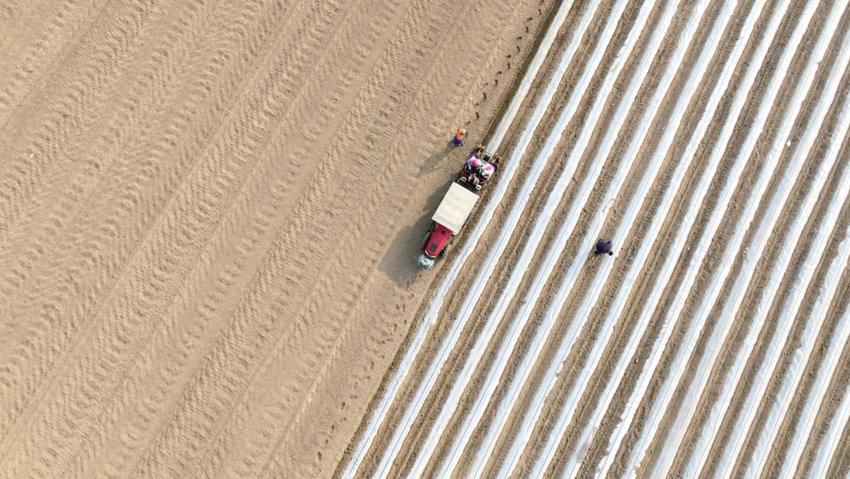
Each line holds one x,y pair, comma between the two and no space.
437,241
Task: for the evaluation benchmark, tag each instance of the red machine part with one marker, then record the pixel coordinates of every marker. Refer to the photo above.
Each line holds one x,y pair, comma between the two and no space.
437,241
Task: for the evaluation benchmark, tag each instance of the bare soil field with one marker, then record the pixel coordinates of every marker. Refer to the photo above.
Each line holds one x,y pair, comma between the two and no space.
208,217
209,213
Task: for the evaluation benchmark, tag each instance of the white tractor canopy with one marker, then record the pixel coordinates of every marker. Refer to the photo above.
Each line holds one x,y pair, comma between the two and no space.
455,207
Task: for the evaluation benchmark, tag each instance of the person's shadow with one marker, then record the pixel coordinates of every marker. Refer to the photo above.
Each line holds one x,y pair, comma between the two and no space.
434,160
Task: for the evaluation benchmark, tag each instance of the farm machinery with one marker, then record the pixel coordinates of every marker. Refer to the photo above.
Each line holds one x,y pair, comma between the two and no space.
456,206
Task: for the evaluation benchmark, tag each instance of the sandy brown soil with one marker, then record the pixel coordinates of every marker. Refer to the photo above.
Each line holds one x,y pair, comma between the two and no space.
208,214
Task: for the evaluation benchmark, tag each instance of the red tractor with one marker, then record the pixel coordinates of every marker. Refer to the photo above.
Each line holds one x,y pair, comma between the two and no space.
456,206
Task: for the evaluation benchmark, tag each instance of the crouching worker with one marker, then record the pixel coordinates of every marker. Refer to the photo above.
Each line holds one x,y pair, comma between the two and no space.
457,140
602,247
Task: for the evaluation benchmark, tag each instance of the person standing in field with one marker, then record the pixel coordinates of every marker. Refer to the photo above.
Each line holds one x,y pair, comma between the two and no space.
457,140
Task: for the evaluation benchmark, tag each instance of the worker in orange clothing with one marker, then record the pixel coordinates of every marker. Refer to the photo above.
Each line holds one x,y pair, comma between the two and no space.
458,138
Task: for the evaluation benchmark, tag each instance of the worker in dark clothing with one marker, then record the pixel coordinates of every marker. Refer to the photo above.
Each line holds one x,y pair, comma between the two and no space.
603,246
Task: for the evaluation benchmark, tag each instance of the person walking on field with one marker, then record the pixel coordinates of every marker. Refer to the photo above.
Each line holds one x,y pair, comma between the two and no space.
457,140
602,247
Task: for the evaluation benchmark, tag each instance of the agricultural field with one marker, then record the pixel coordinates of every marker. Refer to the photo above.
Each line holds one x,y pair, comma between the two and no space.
210,210
709,142
208,218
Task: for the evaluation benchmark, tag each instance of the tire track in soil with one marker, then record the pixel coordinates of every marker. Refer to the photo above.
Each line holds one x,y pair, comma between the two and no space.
32,54
53,218
230,19
16,18
289,393
455,360
315,190
340,336
242,250
116,35
375,347
46,225
18,348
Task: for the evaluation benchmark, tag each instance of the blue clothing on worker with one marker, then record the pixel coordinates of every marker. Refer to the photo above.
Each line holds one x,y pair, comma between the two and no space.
603,246
457,140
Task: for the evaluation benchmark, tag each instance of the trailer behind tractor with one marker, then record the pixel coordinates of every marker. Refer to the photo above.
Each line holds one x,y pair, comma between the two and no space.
456,206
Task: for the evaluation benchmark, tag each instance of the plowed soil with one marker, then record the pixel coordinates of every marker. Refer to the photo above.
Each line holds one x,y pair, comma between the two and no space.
209,213
208,217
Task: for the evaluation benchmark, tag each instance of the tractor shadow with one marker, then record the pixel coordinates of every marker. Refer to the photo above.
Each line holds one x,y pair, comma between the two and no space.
399,262
434,160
